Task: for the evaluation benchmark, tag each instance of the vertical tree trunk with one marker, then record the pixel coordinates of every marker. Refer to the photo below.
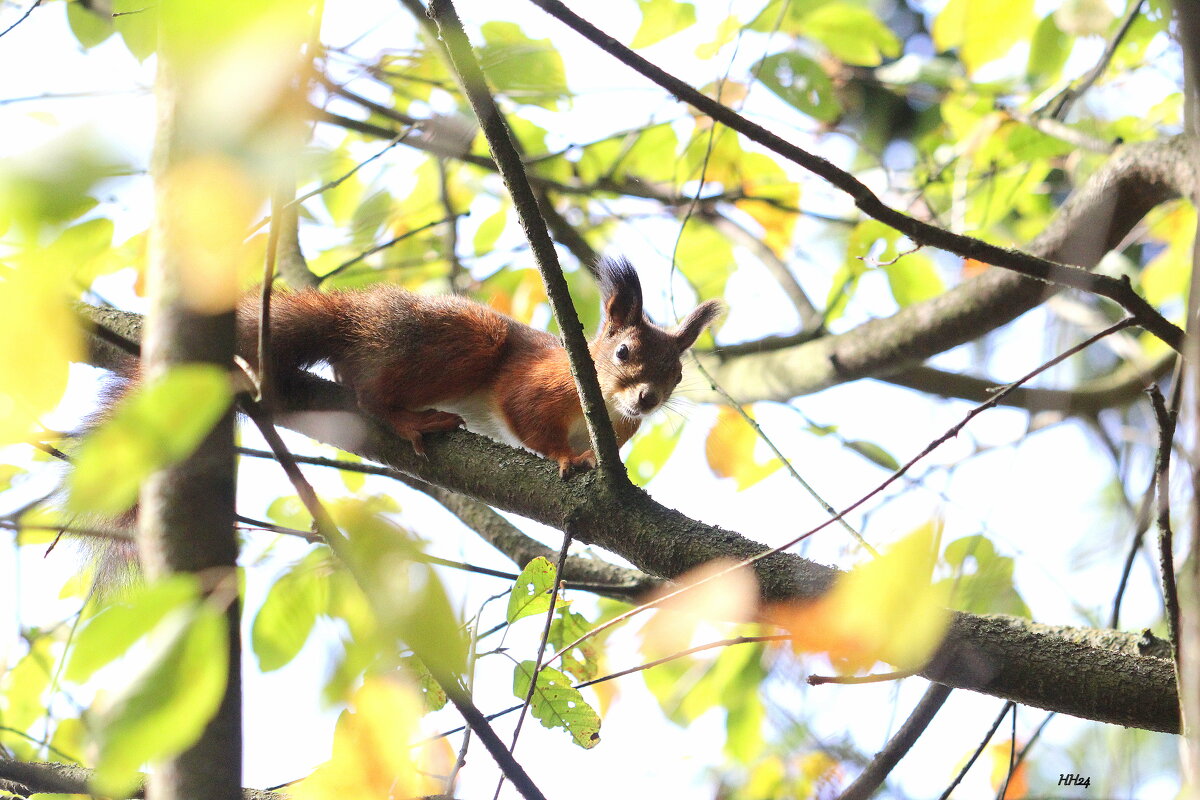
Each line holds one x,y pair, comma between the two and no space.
186,522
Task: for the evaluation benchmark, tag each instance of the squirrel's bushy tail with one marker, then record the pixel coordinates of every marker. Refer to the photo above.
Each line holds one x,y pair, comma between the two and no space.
308,328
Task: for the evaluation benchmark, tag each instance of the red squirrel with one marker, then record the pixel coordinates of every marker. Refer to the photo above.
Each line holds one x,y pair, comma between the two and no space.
427,363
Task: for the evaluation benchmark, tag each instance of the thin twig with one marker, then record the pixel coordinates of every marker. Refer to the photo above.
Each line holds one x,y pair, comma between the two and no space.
333,535
607,579
340,268
509,766
333,184
1009,705
886,759
508,160
23,17
1012,757
1032,740
458,277
1119,290
881,677
639,668
1062,104
541,651
1162,470
787,464
895,476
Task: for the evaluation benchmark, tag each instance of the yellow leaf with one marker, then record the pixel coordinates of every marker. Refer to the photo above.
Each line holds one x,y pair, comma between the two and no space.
884,610
373,757
1168,274
819,772
41,338
763,177
730,451
1018,784
728,597
210,204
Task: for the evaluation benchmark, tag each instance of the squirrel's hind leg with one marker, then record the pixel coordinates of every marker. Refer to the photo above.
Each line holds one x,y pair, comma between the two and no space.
412,424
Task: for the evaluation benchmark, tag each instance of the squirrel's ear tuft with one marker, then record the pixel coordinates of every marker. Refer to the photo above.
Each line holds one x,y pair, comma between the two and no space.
622,291
701,317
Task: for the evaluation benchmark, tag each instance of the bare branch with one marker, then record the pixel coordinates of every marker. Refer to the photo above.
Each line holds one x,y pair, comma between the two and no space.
500,141
1026,264
1095,219
886,759
1007,657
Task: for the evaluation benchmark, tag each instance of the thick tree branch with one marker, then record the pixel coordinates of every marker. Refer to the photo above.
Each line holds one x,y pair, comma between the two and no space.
1095,674
1120,387
1094,220
53,778
586,574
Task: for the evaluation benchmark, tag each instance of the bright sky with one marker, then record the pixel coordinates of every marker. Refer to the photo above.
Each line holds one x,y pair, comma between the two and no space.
287,730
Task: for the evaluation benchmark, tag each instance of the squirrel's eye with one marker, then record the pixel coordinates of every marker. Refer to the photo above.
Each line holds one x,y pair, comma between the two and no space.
622,353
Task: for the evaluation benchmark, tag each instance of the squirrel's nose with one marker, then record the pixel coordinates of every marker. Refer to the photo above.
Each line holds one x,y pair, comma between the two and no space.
647,399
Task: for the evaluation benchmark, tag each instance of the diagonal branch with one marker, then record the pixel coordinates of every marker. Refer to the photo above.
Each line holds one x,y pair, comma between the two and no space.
500,141
1053,667
1094,219
886,759
1032,266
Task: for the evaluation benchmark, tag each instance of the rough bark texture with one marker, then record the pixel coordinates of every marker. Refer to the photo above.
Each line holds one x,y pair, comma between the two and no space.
33,777
186,515
1093,221
1059,669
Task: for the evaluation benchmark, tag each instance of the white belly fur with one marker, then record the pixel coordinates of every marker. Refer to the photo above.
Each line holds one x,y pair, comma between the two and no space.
481,416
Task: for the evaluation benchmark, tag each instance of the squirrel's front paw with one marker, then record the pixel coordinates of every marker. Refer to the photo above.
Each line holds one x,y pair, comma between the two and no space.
569,465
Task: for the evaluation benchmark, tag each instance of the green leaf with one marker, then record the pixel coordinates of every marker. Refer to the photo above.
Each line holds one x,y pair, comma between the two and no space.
875,454
652,155
801,83
289,511
526,70
137,23
914,278
111,633
432,693
166,707
583,661
651,449
531,594
158,424
1048,52
841,289
7,473
983,579
726,33
705,257
406,597
853,34
23,695
341,200
982,30
489,231
660,19
556,704
90,27
289,612
688,687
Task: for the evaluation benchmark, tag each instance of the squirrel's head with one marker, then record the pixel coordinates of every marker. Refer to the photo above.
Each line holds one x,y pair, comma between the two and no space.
638,363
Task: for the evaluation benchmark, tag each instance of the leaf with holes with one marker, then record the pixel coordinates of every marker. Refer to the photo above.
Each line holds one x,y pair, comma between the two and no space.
531,595
556,704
